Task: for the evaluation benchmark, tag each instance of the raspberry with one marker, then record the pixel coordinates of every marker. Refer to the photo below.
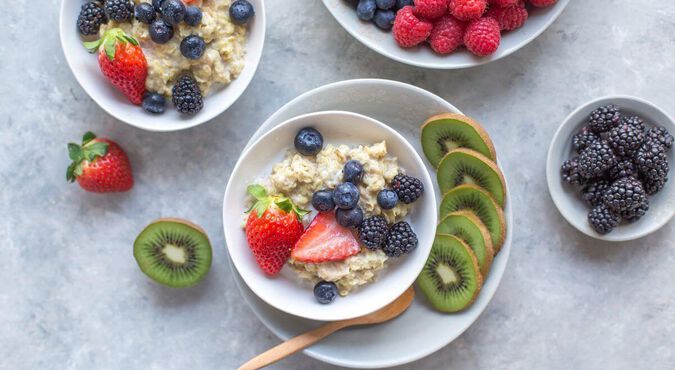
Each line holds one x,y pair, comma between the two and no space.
482,36
430,9
467,10
447,35
509,18
505,3
542,3
409,30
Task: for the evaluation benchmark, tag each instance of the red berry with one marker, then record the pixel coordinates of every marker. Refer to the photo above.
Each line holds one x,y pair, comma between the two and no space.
325,240
409,30
430,9
509,18
505,3
447,35
482,36
99,165
542,3
467,10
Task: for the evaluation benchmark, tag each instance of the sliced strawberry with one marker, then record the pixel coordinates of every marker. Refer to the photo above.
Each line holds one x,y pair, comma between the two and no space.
324,241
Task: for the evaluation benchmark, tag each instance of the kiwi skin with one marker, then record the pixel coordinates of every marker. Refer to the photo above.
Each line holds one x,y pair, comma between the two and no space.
487,240
432,156
147,268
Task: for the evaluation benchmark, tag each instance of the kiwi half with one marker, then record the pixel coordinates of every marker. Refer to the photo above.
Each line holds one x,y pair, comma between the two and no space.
447,131
451,278
173,252
472,198
466,166
470,229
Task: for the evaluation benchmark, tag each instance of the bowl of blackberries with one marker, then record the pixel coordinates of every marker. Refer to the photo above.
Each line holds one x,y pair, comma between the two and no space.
608,168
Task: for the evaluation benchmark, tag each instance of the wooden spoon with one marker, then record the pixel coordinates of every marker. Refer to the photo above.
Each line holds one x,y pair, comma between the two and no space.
305,340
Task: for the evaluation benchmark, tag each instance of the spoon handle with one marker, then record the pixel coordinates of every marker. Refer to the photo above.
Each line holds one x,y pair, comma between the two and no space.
292,346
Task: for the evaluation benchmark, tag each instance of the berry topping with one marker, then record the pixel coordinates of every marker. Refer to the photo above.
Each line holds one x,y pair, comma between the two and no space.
160,31
308,141
467,10
187,97
482,36
325,292
409,30
430,9
387,199
90,19
145,13
604,118
384,19
173,11
602,219
447,35
352,172
385,4
322,200
157,4
349,217
154,102
400,240
119,10
241,11
346,195
192,47
365,9
325,241
373,232
193,16
407,188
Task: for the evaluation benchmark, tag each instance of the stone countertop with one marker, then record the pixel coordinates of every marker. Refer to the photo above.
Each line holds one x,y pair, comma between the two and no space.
74,298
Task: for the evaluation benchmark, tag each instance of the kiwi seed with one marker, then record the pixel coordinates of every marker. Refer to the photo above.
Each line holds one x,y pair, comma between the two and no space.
447,131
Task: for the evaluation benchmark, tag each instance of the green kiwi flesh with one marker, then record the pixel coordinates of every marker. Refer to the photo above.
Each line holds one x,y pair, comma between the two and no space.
445,132
450,279
472,198
470,229
465,166
173,252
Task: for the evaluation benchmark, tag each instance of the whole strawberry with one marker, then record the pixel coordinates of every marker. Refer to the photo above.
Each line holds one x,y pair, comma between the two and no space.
99,165
272,228
122,62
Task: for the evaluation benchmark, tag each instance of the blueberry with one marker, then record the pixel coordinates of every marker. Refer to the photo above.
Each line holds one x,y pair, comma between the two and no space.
157,4
160,31
385,4
145,13
192,47
387,199
325,292
384,19
241,11
366,9
322,200
308,141
193,15
154,102
401,3
346,195
173,11
349,217
352,172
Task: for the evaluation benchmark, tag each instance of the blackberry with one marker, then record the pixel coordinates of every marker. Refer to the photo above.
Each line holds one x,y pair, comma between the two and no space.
651,161
604,118
602,219
634,121
624,167
593,192
653,186
570,172
625,139
660,135
119,10
583,139
90,19
400,240
637,212
373,232
624,194
186,95
595,160
407,188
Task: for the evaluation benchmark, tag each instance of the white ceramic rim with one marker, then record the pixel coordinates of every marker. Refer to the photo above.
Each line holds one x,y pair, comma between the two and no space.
553,174
201,117
562,4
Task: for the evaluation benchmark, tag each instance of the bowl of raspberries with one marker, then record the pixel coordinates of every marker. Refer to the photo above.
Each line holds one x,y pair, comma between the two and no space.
608,168
445,34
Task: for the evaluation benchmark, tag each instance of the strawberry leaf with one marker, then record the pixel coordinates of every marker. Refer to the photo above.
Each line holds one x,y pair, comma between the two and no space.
109,46
95,150
70,172
93,46
257,191
284,204
75,152
260,207
88,136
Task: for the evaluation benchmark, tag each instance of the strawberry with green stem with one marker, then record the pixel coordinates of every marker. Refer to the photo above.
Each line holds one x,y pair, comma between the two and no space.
99,165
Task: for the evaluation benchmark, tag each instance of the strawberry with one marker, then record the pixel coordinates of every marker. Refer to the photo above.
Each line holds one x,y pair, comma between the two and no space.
122,62
273,226
324,241
99,165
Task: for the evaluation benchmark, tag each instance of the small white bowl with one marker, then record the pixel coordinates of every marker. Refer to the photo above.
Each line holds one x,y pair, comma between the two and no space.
286,291
566,197
86,70
422,56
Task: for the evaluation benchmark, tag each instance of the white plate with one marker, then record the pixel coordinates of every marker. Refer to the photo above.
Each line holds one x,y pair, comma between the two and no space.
566,197
86,70
285,291
420,331
422,56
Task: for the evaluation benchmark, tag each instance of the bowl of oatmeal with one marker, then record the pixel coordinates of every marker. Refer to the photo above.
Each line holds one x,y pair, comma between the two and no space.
229,61
369,278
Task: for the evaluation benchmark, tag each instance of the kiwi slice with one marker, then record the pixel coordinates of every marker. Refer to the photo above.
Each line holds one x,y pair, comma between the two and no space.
173,252
447,131
451,277
472,198
466,166
470,229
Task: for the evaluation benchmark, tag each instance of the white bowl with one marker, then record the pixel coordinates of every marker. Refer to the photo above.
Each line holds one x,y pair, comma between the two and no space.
285,291
566,197
86,70
422,56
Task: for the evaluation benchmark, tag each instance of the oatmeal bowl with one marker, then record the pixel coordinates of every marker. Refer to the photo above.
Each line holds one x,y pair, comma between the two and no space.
163,65
329,216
